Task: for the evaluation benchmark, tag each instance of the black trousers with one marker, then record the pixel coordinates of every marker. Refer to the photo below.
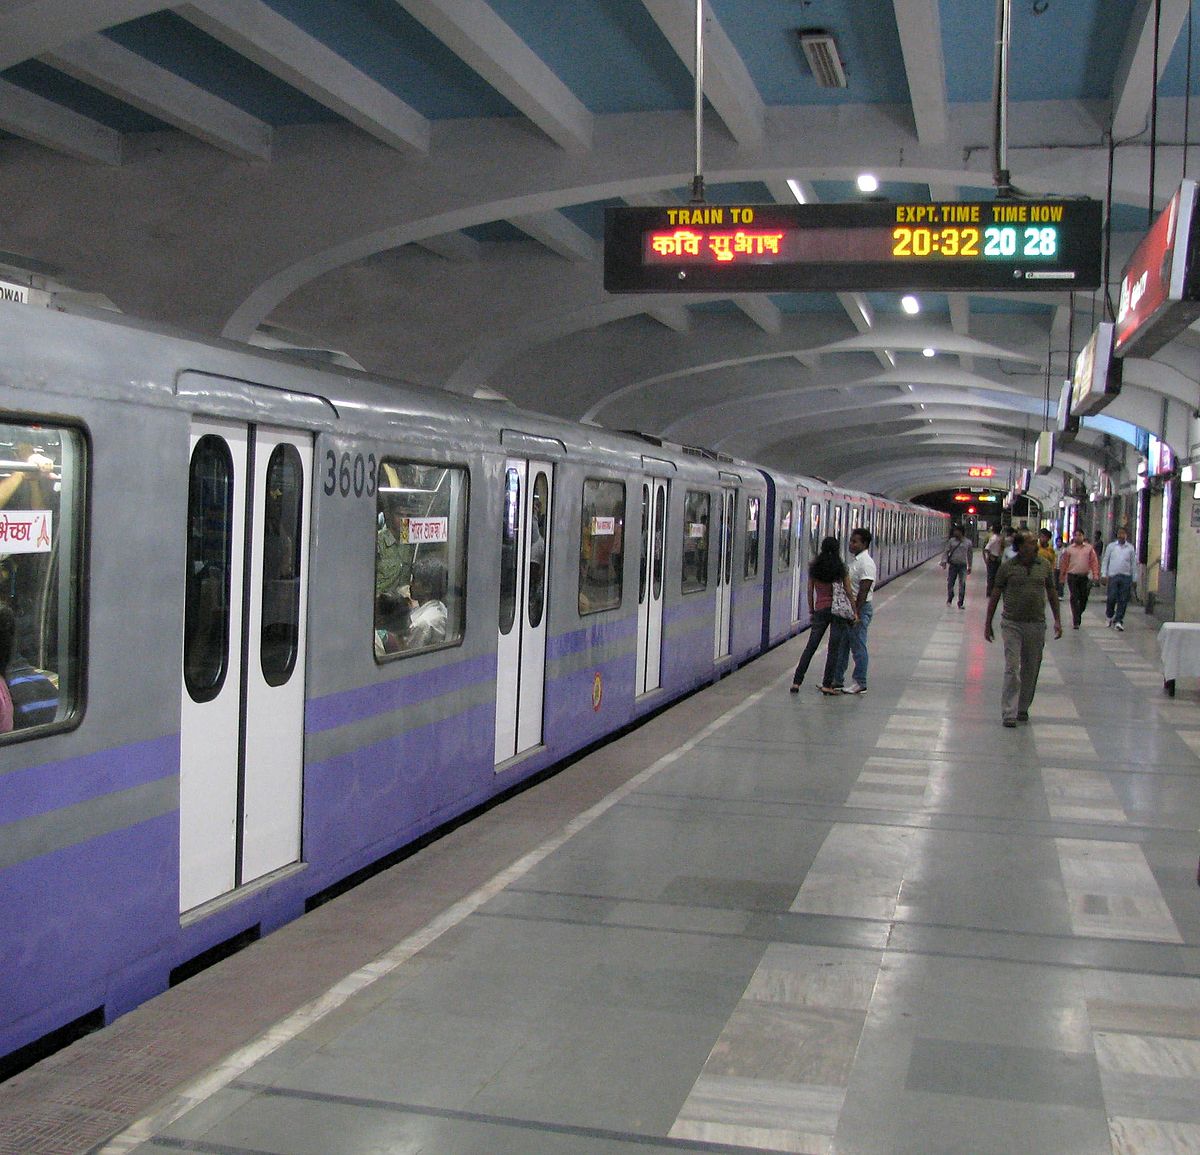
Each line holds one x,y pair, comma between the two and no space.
1080,585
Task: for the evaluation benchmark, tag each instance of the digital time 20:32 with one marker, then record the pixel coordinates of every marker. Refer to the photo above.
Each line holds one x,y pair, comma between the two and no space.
998,241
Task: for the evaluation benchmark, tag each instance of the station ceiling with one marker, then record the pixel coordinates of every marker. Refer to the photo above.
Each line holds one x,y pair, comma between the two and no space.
420,184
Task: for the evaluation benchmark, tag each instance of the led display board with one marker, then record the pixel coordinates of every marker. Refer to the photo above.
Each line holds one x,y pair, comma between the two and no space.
1097,378
936,246
1160,284
981,471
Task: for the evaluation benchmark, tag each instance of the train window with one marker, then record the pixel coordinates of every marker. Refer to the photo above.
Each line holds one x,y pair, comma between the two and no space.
209,558
814,528
800,523
281,565
660,530
750,562
785,533
644,560
420,558
601,545
537,551
42,499
510,561
696,507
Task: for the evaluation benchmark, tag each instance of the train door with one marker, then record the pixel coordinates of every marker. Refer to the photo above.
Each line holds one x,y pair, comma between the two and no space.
724,615
242,713
650,585
521,644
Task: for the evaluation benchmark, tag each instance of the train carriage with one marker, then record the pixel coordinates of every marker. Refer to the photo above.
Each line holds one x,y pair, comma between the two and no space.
274,623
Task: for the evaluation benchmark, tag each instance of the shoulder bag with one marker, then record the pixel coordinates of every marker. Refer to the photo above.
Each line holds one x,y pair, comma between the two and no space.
841,607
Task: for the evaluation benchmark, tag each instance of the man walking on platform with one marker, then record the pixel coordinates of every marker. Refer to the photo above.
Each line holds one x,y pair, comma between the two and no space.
957,562
862,573
1116,571
1078,566
992,556
1023,583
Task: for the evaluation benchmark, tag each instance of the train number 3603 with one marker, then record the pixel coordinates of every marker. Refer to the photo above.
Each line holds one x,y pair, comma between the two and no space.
350,473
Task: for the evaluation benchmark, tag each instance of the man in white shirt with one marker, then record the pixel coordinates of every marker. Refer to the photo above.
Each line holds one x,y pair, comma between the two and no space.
862,579
1117,568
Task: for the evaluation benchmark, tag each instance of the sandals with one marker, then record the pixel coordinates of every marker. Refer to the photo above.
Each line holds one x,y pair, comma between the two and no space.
830,690
794,688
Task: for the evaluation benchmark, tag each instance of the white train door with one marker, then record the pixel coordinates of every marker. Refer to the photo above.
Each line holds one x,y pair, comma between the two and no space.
650,585
724,615
242,710
521,644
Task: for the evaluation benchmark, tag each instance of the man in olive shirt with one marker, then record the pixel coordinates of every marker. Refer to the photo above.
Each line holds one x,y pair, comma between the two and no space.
1023,582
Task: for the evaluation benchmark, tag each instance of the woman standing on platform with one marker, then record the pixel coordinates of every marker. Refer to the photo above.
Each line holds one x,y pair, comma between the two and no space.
826,571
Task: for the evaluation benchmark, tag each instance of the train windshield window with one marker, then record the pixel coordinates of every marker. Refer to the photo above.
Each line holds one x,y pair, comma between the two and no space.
420,558
695,541
42,473
785,533
209,554
601,545
282,527
750,564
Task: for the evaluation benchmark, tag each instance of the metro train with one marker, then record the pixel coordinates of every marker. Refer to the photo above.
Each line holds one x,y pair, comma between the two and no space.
272,622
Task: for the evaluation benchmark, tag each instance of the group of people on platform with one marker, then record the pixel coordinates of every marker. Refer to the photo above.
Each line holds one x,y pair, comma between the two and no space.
1024,574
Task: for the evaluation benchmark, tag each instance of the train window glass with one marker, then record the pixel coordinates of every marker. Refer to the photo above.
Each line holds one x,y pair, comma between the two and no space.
814,529
800,523
282,527
420,558
601,545
750,560
644,560
209,557
696,507
537,551
728,527
42,472
660,533
785,533
837,525
510,561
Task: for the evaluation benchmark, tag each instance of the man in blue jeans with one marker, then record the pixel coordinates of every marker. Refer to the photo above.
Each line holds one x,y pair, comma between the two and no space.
862,579
1116,571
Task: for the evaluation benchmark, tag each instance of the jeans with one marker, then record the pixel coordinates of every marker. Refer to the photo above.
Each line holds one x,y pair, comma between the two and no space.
855,643
1023,645
1119,587
956,571
993,567
1080,585
816,631
839,640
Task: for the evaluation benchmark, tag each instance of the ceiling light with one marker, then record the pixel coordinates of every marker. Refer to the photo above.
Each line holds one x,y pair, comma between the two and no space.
797,192
820,50
868,182
928,352
910,305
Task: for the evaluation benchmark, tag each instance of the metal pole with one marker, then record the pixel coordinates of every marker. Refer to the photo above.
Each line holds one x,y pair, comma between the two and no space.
1000,174
698,178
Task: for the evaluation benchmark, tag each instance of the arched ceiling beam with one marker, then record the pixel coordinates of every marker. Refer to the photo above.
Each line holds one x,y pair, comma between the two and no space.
919,25
124,75
1135,80
477,35
285,50
727,83
31,117
29,29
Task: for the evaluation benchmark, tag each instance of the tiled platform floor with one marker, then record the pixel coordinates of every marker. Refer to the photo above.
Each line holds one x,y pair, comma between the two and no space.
763,922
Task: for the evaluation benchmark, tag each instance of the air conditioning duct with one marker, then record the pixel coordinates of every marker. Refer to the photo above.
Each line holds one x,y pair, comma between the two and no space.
820,50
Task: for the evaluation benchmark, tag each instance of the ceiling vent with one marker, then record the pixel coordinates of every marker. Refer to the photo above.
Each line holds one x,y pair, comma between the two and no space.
820,50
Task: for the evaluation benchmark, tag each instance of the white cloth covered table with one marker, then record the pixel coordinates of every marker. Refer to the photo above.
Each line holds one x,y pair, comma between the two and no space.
1179,646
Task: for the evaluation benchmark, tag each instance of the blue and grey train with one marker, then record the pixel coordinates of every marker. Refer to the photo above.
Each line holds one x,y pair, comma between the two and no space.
269,623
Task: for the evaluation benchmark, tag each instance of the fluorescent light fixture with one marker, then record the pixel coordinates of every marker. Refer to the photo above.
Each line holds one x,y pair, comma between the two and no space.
928,352
797,192
821,52
867,182
910,305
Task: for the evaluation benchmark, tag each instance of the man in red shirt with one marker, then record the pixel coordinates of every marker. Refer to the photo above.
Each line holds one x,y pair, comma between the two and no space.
1079,566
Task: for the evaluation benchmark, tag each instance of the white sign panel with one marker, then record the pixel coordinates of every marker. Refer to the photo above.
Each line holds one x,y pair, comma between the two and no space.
604,526
25,530
426,529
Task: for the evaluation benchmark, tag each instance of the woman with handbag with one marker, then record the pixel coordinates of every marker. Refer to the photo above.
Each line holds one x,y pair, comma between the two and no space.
827,579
